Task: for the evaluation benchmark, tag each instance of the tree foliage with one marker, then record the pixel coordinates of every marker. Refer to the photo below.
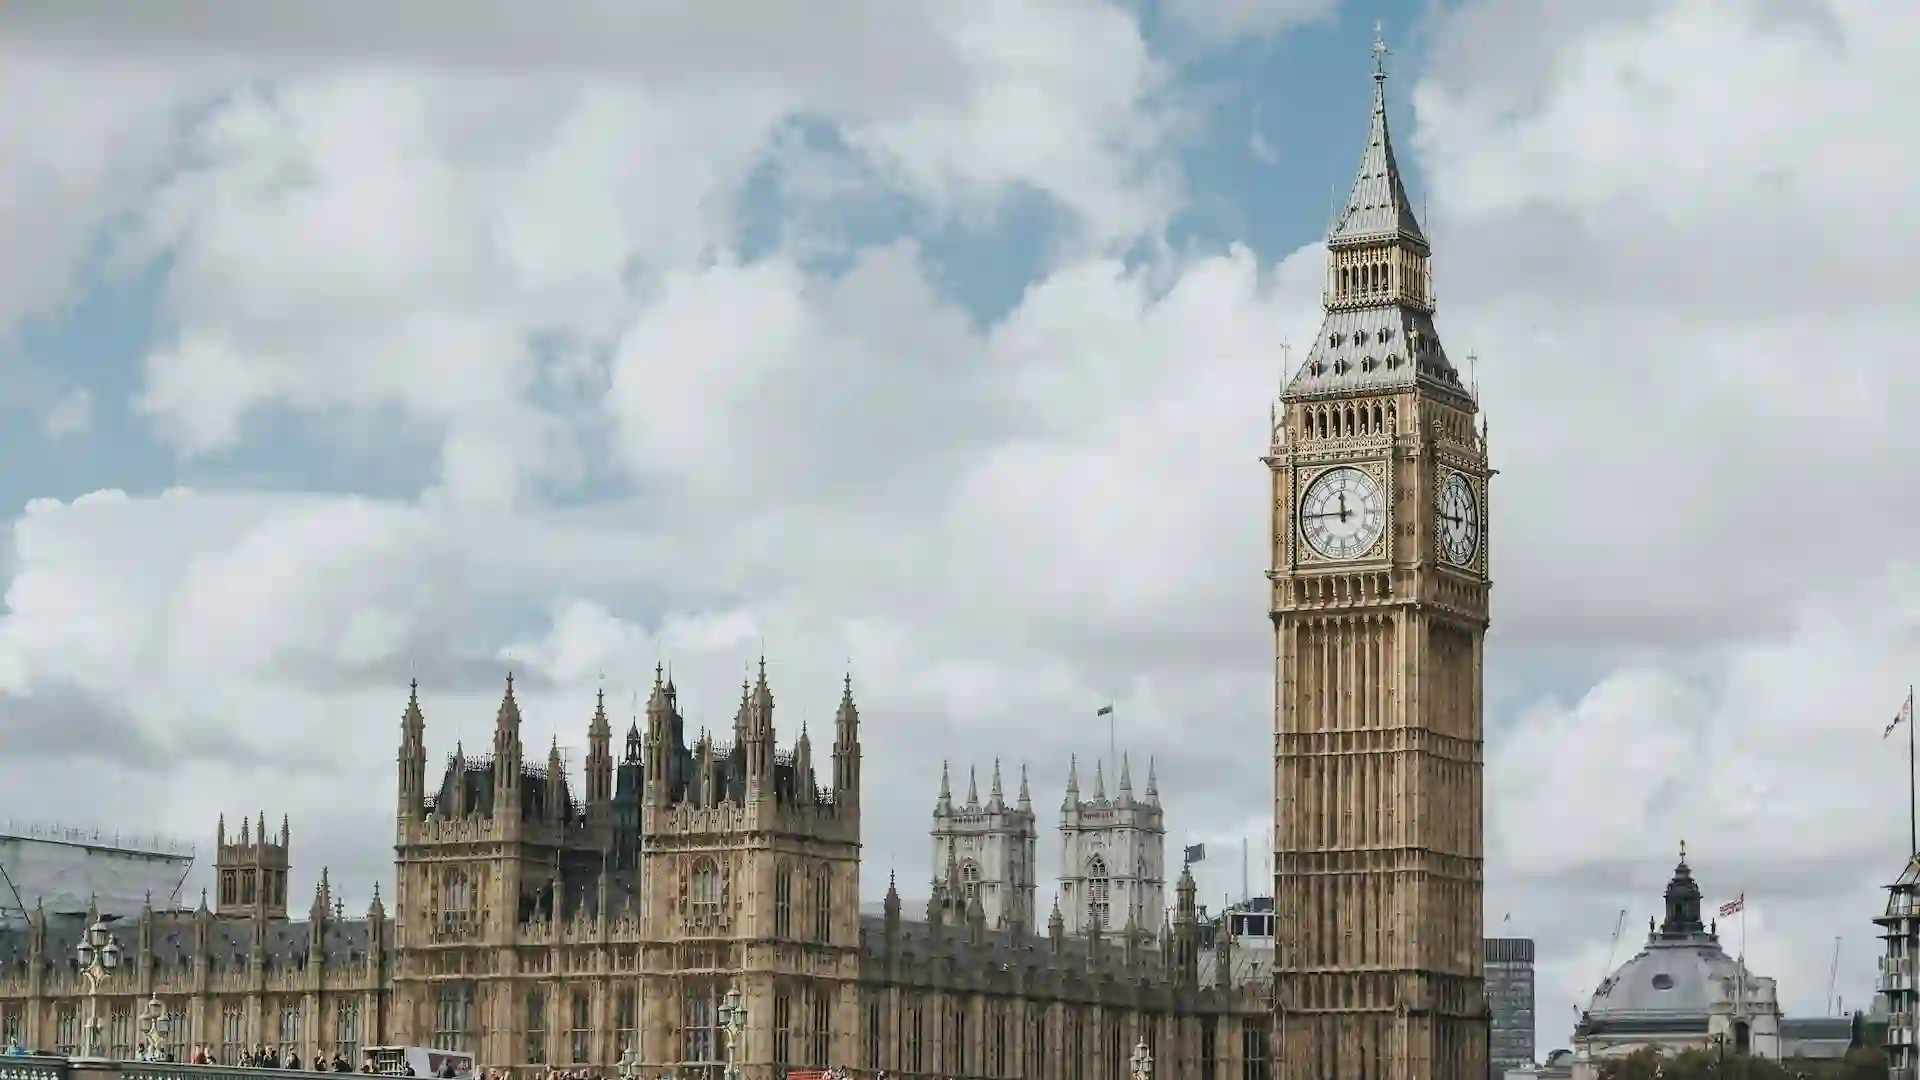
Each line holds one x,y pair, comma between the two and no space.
1865,1063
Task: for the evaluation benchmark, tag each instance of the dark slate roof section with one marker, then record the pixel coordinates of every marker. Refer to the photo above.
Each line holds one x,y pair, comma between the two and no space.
998,948
1817,1027
1375,349
230,941
473,777
1377,208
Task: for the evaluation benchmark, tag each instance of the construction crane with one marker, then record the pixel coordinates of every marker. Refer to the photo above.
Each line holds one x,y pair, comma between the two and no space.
1618,925
1833,973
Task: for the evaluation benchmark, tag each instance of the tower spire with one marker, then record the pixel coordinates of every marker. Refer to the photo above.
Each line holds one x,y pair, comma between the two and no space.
1378,334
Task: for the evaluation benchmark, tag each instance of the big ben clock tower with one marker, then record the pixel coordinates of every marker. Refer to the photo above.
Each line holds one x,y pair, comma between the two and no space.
1379,605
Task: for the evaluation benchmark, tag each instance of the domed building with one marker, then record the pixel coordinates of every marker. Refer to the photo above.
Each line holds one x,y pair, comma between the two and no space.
1681,991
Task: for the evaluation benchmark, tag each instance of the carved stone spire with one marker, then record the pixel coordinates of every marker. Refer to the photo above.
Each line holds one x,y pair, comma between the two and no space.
1378,334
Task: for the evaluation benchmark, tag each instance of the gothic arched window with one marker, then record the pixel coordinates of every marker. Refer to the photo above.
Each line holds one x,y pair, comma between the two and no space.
783,901
456,896
969,880
703,894
1098,885
823,907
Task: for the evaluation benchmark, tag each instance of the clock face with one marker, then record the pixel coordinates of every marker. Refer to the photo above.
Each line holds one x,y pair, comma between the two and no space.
1343,513
1457,520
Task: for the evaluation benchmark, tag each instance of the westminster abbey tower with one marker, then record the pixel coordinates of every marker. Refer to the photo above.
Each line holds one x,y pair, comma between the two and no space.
1379,606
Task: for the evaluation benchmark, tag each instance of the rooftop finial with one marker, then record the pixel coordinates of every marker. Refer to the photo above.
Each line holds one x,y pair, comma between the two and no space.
1683,851
1379,49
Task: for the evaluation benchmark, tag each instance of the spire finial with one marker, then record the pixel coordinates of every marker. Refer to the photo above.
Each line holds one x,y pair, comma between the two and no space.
1379,49
1683,851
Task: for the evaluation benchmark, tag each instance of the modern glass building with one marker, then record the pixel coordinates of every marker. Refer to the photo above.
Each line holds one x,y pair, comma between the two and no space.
1509,963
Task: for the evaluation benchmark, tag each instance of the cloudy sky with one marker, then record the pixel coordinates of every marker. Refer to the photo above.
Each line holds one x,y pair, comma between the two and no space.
340,347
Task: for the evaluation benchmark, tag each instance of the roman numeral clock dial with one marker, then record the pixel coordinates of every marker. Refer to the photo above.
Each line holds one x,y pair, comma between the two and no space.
1343,513
1457,520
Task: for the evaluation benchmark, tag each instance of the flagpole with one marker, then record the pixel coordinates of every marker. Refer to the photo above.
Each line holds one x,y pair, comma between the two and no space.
1913,802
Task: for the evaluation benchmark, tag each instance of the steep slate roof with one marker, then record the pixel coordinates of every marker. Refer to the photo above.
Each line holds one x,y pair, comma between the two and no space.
230,941
1378,207
1385,345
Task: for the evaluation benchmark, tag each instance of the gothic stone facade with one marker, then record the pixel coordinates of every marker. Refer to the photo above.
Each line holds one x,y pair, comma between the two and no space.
534,927
1379,607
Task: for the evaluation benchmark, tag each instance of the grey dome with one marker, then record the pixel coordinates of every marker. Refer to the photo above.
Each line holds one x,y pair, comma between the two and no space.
1674,975
1666,977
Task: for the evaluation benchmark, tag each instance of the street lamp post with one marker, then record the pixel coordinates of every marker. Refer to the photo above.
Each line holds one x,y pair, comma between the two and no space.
733,1022
154,1026
1142,1061
99,955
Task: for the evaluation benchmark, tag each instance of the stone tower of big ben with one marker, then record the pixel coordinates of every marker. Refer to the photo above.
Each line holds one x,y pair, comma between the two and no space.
1379,605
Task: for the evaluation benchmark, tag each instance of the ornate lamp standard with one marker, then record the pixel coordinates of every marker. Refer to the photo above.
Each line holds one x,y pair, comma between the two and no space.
629,1063
733,1023
1142,1061
154,1026
99,955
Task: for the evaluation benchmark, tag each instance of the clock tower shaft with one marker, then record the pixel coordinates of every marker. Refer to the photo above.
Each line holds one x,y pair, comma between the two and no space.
1377,670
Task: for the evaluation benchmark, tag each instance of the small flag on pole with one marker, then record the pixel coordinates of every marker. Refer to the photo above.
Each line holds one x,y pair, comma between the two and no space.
1904,716
1734,906
1196,853
1104,710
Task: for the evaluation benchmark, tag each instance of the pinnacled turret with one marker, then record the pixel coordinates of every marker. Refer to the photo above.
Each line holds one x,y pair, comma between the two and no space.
973,790
943,806
507,756
662,744
803,785
1072,800
890,911
1130,937
1026,797
846,747
1186,930
555,809
1056,929
1153,785
1099,781
995,802
755,729
412,760
1223,952
976,920
936,906
600,771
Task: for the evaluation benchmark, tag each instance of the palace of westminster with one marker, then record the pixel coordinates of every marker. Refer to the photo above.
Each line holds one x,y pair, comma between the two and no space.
534,922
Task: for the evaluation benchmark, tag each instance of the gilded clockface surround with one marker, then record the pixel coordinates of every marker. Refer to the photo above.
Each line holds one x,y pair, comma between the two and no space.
1342,513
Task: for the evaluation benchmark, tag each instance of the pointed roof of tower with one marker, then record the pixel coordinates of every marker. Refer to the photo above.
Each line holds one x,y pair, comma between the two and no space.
945,802
973,788
1026,797
995,800
1381,341
1099,781
509,714
1153,783
1126,778
847,717
1378,207
600,725
413,719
